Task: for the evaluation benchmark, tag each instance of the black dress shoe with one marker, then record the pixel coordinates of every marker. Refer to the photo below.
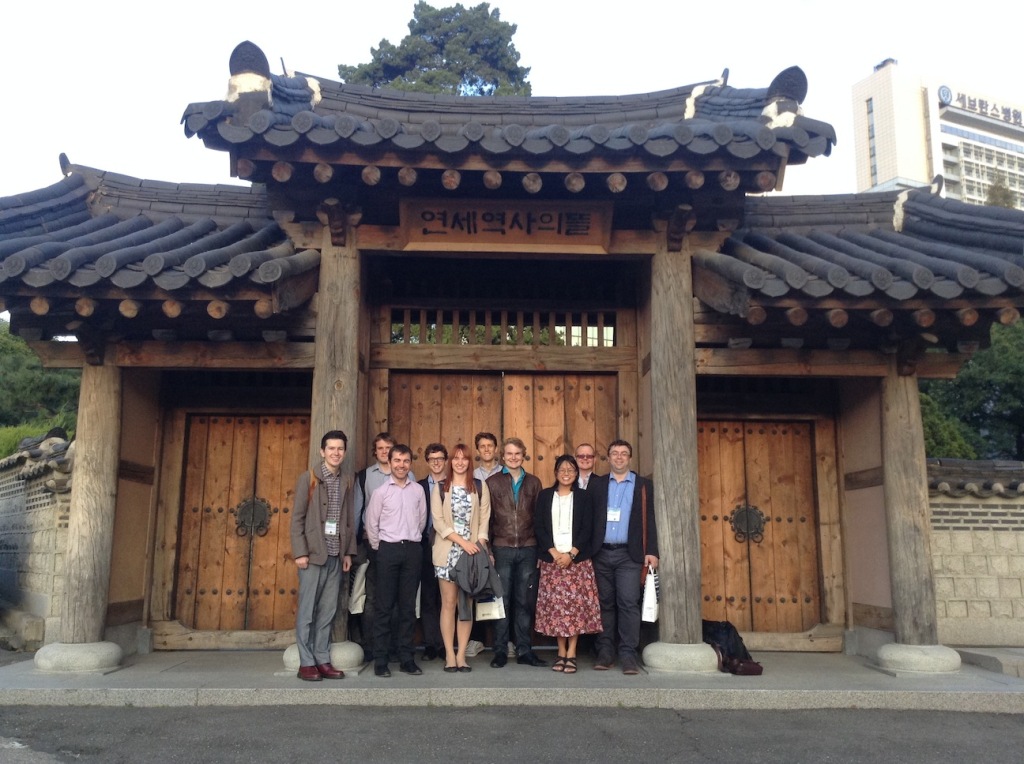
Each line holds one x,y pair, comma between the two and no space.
499,660
382,670
410,667
429,653
531,659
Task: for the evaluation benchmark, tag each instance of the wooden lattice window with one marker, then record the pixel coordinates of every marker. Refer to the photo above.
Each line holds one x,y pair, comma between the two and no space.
472,326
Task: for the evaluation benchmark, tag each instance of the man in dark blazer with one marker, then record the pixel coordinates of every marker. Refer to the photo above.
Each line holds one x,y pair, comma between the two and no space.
623,508
436,456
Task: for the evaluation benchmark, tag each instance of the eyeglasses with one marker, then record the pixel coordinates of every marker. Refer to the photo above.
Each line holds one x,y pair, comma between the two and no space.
584,456
435,458
566,471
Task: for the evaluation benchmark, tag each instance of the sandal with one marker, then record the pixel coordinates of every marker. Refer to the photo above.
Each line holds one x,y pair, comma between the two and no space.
559,664
569,667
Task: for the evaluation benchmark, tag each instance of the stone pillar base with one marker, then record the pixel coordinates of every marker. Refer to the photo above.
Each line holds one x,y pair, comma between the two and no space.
98,657
666,656
347,656
920,659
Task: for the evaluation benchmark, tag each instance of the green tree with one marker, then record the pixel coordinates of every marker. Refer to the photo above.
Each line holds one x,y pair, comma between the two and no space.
987,396
1000,195
33,399
456,50
944,437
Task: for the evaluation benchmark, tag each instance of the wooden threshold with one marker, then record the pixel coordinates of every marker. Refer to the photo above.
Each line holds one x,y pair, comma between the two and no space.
172,635
823,638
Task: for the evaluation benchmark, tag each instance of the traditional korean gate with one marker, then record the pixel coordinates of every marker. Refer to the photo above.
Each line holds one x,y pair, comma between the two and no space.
551,413
234,567
760,563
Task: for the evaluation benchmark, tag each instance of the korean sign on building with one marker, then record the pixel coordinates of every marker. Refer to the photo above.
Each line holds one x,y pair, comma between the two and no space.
506,226
983,106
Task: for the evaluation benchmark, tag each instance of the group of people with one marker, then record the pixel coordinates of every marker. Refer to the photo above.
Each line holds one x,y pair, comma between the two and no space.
568,559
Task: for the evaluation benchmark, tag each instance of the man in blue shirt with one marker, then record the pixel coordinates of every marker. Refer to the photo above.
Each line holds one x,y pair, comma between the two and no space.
626,540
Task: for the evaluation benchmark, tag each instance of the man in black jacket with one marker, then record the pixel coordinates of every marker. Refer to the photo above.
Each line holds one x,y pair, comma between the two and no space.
623,511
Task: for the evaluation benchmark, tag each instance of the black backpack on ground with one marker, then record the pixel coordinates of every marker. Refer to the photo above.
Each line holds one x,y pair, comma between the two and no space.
733,656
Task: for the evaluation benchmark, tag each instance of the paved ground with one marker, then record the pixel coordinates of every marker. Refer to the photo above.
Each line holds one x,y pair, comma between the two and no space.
790,681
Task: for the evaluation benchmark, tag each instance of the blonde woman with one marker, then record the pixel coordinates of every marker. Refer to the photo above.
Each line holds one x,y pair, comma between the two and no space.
461,511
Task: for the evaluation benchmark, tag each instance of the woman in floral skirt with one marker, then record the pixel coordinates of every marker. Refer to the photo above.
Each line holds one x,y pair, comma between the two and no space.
567,602
461,510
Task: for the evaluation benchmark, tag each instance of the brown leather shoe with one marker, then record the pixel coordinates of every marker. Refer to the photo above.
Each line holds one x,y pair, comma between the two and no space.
309,674
327,671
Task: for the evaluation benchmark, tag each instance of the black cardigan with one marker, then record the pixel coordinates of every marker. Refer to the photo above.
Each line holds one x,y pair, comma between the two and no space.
582,523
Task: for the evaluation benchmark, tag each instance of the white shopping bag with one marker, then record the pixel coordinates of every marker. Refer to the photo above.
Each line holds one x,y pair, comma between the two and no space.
649,610
490,609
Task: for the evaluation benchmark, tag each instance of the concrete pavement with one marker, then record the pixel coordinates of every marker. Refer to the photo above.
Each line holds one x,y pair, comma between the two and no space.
790,681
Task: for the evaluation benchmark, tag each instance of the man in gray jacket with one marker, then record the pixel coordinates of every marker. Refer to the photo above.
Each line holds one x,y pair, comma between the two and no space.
323,544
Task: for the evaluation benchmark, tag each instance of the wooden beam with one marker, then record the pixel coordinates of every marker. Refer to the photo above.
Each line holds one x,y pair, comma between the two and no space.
91,517
616,182
129,308
575,182
881,317
498,358
172,308
967,316
923,317
907,511
657,181
765,181
783,362
39,306
674,442
729,180
218,309
206,355
796,316
85,306
371,177
451,179
492,180
1008,316
532,182
837,318
407,176
263,308
694,179
323,172
282,172
245,168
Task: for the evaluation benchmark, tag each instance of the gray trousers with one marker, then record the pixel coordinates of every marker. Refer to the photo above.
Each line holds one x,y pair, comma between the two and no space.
318,603
618,588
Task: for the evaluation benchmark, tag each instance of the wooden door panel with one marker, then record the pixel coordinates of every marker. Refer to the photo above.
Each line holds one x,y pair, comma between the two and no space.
768,585
486,407
191,519
549,425
725,562
517,413
216,502
273,578
235,574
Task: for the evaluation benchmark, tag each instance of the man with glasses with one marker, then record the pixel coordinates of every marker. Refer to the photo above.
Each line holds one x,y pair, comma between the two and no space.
585,455
623,510
430,593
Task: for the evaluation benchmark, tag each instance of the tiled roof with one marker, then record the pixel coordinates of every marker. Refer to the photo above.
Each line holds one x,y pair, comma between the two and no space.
94,232
898,251
703,120
983,478
95,226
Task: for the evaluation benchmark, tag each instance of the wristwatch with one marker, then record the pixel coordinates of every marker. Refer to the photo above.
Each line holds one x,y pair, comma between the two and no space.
572,555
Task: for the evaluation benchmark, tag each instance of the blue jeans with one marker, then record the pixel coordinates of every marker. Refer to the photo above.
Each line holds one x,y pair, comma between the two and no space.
517,569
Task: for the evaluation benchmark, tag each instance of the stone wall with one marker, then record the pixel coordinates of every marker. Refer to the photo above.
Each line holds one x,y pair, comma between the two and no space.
978,557
34,505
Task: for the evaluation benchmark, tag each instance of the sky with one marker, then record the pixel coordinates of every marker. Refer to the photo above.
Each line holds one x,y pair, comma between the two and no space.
107,84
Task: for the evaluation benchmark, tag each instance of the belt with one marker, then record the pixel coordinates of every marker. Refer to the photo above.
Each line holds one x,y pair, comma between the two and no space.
614,546
417,541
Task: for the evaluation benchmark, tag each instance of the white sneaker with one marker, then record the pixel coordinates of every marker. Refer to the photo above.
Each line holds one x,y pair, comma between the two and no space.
511,650
474,648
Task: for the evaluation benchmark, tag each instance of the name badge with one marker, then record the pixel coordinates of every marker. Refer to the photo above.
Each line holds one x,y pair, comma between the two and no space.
331,528
614,515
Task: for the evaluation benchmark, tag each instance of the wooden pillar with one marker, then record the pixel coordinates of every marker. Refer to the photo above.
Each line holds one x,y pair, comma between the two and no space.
336,364
93,496
674,440
907,513
336,347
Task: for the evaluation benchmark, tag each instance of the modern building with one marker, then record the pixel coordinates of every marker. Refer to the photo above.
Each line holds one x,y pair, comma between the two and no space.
909,129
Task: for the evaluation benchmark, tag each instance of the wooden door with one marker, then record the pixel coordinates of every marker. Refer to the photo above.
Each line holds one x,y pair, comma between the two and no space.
551,413
760,566
235,572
